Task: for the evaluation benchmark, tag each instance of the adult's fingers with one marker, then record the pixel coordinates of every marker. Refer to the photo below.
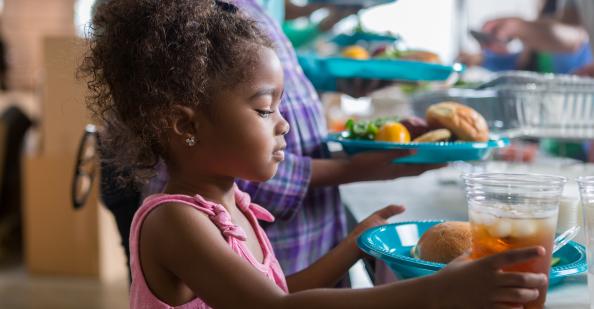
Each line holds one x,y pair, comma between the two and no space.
489,25
415,169
428,167
390,155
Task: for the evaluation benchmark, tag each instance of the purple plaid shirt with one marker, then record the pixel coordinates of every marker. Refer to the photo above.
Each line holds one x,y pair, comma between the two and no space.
309,221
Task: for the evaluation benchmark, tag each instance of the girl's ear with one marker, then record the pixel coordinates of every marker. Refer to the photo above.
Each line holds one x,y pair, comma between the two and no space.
183,121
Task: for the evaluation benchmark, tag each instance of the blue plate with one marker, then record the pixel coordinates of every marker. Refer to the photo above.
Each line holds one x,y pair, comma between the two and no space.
345,40
387,69
426,153
392,243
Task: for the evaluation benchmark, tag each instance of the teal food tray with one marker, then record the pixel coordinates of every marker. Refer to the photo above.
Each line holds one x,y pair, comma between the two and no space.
388,69
392,243
345,40
426,153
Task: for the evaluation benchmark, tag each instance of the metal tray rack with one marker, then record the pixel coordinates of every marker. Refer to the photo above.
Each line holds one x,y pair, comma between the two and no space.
526,104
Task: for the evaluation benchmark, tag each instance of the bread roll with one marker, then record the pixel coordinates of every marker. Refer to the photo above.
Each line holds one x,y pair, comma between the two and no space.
444,242
420,55
466,123
434,136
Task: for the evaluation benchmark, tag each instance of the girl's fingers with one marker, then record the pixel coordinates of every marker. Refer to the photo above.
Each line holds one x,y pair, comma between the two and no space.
525,280
514,256
514,295
389,211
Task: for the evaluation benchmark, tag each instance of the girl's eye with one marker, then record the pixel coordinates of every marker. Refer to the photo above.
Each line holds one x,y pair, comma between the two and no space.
264,113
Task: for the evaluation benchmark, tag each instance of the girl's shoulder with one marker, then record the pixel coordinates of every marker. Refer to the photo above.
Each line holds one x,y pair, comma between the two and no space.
178,217
173,243
164,212
164,219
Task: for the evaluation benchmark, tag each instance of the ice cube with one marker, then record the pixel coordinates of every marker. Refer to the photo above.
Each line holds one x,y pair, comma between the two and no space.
482,218
551,223
500,228
524,228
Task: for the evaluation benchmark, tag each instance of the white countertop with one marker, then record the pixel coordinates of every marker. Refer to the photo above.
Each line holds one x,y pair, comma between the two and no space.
439,195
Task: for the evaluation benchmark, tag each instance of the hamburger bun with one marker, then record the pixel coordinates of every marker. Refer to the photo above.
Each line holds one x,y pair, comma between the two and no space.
466,123
434,136
444,242
420,55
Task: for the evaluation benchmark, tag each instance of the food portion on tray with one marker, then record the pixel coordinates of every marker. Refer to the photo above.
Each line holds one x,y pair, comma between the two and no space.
419,248
389,51
364,54
444,122
449,132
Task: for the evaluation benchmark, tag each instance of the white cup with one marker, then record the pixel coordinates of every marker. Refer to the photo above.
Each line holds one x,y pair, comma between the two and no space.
569,213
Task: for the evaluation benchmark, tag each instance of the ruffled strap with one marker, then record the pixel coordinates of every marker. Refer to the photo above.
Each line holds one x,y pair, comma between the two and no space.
221,218
261,213
244,202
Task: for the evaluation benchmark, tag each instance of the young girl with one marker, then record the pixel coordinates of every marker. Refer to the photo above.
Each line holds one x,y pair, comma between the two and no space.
197,84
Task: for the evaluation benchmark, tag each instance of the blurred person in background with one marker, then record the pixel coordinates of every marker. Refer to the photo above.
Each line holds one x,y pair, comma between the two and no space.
496,54
561,39
569,32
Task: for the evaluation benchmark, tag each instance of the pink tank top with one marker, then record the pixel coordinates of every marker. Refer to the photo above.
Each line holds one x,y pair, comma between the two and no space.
140,294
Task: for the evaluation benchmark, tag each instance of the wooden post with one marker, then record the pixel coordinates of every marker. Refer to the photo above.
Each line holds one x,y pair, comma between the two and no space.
58,239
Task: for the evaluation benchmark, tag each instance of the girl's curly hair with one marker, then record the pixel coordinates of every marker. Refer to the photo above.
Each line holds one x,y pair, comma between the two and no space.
146,55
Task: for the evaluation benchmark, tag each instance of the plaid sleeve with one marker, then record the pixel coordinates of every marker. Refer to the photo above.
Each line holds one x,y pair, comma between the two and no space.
283,194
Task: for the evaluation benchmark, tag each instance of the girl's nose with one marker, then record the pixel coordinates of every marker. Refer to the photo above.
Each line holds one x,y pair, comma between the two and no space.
283,127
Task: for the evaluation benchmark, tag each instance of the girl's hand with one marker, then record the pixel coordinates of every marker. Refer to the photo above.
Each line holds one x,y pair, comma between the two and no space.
326,272
482,284
379,217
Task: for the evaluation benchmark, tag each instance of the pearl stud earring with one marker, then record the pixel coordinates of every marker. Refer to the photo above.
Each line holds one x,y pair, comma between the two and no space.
191,141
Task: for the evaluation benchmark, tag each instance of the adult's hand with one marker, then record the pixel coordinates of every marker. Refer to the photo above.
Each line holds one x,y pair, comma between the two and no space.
335,12
503,30
377,165
360,87
541,34
587,70
365,166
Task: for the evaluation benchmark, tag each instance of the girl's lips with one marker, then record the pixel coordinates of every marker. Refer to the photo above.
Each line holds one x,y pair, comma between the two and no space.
278,155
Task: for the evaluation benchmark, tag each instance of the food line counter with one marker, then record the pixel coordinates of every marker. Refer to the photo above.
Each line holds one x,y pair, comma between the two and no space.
439,195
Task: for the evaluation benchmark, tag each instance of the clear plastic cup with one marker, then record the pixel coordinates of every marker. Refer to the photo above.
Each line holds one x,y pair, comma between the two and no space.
509,211
586,185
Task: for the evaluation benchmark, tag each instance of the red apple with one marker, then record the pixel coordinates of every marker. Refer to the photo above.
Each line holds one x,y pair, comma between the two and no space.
416,126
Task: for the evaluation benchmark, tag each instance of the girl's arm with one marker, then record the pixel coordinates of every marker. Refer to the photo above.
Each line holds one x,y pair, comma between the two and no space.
326,271
186,244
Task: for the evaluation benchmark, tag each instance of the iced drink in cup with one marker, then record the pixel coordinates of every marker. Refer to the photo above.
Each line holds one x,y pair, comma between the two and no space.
586,185
509,211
